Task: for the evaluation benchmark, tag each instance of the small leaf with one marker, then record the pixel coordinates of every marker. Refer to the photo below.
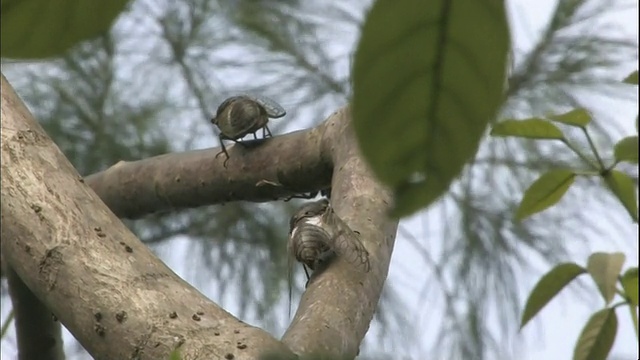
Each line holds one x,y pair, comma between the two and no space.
548,287
534,128
44,28
627,149
632,78
630,285
624,189
597,336
577,117
545,192
426,83
604,269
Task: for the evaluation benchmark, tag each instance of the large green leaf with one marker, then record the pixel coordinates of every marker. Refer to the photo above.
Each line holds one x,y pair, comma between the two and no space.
545,192
597,336
624,189
630,285
534,128
428,76
548,287
44,28
604,269
632,78
575,117
627,149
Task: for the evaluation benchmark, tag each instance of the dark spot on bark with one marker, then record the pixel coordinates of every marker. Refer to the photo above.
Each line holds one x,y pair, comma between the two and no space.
200,312
229,356
97,229
97,316
173,315
123,243
36,208
241,346
195,317
101,234
81,180
156,344
27,248
128,249
356,231
121,316
216,333
99,329
236,331
54,317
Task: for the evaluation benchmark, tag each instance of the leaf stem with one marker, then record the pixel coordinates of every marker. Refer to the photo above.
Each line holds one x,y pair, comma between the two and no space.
593,147
581,155
634,319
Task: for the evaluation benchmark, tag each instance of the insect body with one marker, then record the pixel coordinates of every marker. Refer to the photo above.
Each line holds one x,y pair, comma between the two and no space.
241,115
317,235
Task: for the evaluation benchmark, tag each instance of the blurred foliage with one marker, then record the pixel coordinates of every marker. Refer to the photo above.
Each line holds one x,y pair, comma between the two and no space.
152,83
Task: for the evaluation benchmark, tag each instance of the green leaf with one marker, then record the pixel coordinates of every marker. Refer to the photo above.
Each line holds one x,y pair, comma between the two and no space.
577,117
632,78
604,269
545,192
630,285
627,149
175,355
427,77
624,189
597,336
45,28
548,287
534,128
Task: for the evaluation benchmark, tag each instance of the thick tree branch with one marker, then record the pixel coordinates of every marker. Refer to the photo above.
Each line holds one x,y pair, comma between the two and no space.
260,171
337,307
39,335
103,284
335,311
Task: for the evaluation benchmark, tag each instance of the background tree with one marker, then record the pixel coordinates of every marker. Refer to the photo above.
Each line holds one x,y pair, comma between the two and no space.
151,84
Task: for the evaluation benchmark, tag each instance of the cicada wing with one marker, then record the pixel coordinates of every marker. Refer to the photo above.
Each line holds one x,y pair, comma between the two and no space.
347,244
273,109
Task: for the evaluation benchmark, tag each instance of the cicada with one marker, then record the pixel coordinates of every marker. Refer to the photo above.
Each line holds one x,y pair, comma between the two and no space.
317,234
241,115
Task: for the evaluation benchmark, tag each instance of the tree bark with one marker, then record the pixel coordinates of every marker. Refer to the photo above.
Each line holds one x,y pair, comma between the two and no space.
120,301
39,335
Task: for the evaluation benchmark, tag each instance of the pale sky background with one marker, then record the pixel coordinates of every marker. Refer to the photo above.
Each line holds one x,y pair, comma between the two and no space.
554,333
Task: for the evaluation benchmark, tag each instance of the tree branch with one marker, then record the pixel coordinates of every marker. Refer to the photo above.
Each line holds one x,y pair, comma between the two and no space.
279,167
39,335
335,311
105,286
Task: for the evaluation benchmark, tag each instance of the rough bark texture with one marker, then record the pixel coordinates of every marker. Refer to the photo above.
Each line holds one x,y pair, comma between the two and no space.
103,284
80,261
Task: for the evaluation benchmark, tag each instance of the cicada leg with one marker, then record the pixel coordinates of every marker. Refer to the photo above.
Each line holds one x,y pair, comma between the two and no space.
306,272
265,131
221,137
224,150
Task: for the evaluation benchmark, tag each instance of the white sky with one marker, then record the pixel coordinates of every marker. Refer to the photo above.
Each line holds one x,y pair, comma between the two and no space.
553,334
